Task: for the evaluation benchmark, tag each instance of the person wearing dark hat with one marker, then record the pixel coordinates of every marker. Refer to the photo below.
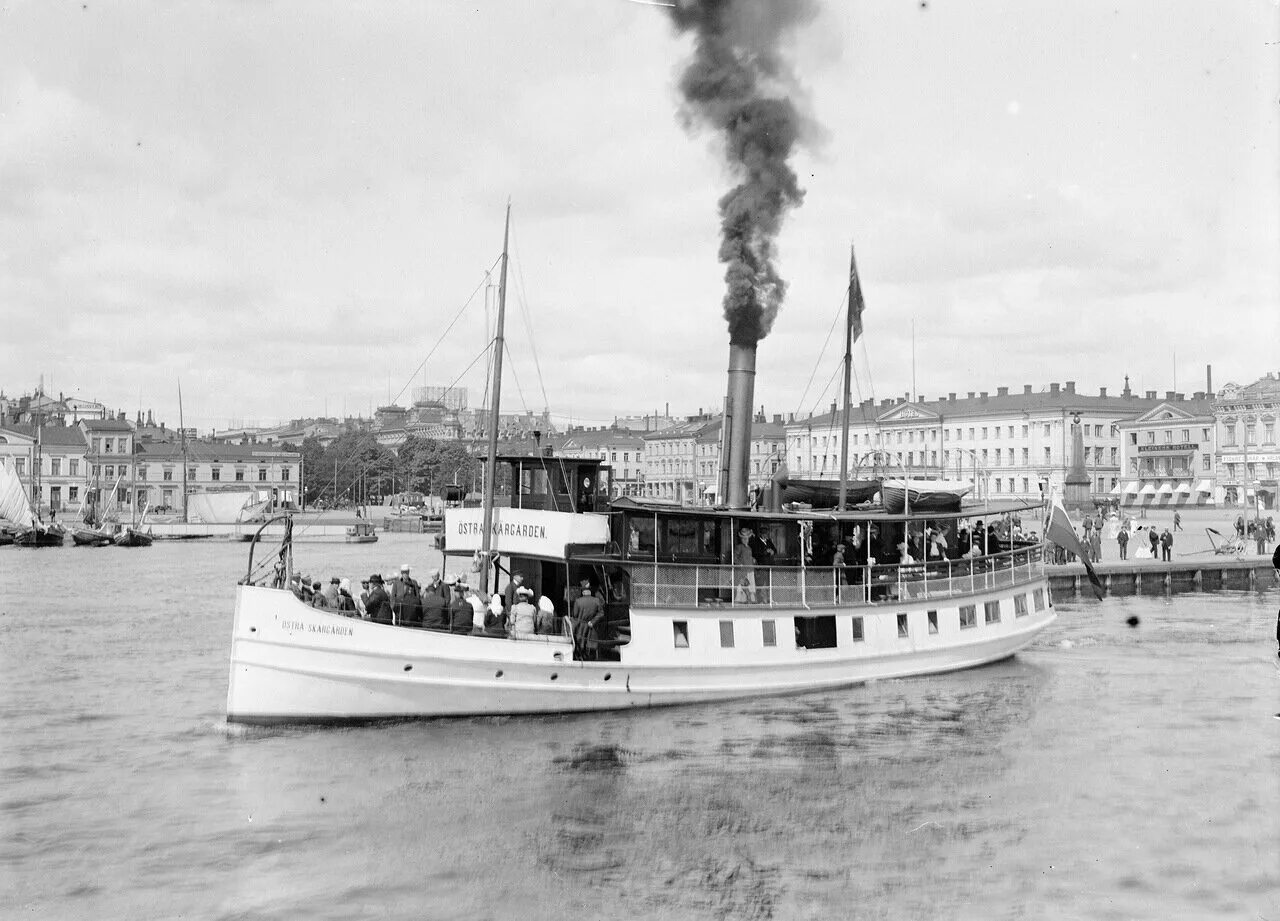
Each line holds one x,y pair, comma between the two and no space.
406,599
378,604
435,603
460,611
509,593
586,614
331,591
307,592
318,598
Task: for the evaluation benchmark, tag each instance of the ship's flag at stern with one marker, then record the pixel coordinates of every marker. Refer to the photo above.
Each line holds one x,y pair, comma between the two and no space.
1059,530
856,304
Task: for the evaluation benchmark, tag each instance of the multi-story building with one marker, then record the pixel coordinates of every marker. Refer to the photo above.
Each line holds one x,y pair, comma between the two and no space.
109,455
682,461
213,467
1248,457
1005,444
1167,455
620,449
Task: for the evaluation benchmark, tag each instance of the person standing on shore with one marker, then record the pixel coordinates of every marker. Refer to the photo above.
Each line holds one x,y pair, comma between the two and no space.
1177,521
1166,545
1122,539
1154,538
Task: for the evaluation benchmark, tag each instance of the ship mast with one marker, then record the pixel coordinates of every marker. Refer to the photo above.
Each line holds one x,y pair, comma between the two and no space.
491,464
854,315
182,433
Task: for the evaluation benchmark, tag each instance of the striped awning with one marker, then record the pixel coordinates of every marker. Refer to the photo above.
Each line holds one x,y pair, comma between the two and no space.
1166,489
1131,487
1204,487
1148,490
1115,490
1184,489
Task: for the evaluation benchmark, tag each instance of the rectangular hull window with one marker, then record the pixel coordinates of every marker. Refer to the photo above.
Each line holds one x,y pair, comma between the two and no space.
903,630
1019,605
933,621
680,629
770,633
726,634
857,630
816,632
1037,598
968,616
992,612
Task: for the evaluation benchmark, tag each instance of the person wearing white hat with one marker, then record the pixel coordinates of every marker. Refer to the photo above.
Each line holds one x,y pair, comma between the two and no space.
546,622
523,617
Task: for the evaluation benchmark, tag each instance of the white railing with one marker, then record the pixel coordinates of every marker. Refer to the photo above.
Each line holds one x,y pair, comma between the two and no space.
689,585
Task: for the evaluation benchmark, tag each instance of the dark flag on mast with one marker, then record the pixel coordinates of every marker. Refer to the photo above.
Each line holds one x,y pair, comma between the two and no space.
856,304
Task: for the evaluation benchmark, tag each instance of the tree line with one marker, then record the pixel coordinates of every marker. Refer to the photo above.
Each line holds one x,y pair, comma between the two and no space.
356,469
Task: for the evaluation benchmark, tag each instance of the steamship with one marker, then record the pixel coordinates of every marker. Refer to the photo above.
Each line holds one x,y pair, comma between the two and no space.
699,604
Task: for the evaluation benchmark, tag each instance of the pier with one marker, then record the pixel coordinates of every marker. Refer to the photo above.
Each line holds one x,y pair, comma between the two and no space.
1152,577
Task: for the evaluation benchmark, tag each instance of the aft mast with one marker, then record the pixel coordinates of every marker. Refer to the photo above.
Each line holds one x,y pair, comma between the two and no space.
852,329
491,466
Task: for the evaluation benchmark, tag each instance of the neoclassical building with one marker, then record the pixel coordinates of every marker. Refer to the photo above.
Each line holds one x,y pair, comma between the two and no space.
1248,457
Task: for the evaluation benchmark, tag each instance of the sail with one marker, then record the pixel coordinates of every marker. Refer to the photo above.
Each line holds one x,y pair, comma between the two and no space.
14,506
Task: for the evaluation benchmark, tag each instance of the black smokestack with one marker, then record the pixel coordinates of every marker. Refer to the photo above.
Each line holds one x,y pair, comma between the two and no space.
737,84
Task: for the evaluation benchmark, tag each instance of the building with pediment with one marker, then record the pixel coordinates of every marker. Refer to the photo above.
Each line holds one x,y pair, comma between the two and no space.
1005,444
1167,456
1248,457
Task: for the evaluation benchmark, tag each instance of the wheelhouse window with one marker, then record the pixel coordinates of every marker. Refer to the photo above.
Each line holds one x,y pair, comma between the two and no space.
968,616
991,611
726,634
682,537
639,535
680,633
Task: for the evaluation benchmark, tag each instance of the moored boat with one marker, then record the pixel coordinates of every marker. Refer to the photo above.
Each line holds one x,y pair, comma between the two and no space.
362,532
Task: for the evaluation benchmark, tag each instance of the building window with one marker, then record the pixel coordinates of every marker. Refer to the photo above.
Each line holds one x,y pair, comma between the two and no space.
284,473
726,634
1047,455
991,611
1019,605
903,629
858,635
1168,436
55,466
167,473
1047,430
1269,432
933,621
191,474
1204,435
680,633
1037,598
74,466
109,471
216,473
239,474
142,471
262,474
108,445
770,632
968,616
73,493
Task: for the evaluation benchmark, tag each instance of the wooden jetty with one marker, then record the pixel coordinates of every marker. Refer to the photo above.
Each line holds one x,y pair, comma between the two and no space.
1152,577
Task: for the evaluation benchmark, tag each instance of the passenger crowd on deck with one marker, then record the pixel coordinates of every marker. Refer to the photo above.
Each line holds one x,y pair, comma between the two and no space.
451,605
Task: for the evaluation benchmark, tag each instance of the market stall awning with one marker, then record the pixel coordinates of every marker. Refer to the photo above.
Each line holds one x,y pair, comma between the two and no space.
1204,487
1131,487
1148,490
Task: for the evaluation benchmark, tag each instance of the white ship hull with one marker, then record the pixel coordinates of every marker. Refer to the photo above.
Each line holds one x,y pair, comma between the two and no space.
294,663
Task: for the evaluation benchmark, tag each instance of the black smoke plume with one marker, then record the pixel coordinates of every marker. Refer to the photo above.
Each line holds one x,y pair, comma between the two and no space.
738,83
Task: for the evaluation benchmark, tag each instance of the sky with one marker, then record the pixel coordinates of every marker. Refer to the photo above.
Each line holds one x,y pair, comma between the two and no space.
286,206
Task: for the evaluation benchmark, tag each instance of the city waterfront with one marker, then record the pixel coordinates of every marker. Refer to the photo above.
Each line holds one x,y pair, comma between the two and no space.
1107,771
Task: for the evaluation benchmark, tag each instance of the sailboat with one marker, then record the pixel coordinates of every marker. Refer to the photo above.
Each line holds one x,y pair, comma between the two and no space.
97,525
15,507
643,605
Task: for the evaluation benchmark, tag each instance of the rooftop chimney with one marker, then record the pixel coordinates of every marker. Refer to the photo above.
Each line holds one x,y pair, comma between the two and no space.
1198,395
984,396
1002,391
1026,390
1169,395
1102,391
971,394
833,407
1053,388
1071,386
1151,394
952,396
1208,378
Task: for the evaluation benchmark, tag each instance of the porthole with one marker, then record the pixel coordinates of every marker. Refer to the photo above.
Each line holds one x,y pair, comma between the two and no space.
607,676
408,668
498,673
554,676
253,629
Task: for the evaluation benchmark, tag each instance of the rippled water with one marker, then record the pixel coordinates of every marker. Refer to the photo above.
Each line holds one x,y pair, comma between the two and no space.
1107,772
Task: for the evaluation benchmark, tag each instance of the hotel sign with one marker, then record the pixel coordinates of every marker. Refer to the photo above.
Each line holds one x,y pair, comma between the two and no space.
526,532
1167,449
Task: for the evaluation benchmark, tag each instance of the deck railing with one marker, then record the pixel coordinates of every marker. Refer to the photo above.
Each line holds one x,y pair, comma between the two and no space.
688,585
